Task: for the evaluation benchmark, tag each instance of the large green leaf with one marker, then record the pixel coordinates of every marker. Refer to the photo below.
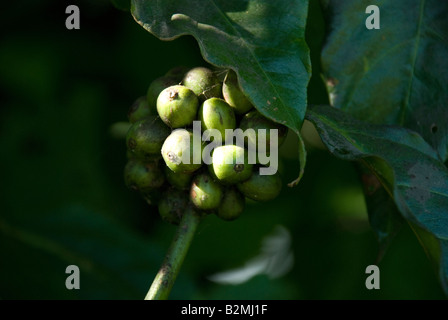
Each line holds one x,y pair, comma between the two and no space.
384,217
263,41
406,166
397,74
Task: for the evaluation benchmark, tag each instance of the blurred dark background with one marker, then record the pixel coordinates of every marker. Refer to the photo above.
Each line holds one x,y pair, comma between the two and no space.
63,201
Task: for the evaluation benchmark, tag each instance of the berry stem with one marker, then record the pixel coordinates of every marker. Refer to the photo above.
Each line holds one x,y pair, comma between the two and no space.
165,278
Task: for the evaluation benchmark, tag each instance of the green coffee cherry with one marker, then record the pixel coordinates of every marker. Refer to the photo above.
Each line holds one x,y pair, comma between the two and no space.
179,180
203,82
157,86
181,153
143,177
205,193
233,95
177,106
172,205
261,187
232,205
215,113
230,164
145,138
255,120
138,110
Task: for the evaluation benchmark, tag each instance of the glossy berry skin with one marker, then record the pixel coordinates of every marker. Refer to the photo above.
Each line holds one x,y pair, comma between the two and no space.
233,94
215,113
205,193
175,149
172,205
139,110
156,87
145,138
255,120
232,205
177,106
226,166
143,177
203,82
261,187
179,180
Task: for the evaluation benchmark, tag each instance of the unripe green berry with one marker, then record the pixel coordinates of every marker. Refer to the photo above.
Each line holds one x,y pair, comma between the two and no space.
255,120
177,106
261,187
230,164
232,205
179,180
205,193
172,205
215,113
233,94
181,153
145,138
138,110
143,177
203,82
156,87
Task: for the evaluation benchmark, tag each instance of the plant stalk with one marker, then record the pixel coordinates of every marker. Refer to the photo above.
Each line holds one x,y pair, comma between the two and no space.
165,278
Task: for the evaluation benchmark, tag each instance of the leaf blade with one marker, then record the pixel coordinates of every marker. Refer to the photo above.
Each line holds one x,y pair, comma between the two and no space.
410,172
402,67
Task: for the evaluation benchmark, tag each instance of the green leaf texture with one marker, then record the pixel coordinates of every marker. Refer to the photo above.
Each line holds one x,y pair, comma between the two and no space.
397,74
405,165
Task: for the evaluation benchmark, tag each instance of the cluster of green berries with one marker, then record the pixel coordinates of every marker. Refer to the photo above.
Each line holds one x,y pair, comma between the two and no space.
160,135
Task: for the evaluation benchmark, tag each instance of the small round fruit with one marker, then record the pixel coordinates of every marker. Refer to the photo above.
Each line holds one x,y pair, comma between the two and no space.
261,187
232,205
181,152
230,164
143,177
255,120
203,82
177,106
172,205
215,113
179,180
205,193
145,138
139,110
157,86
233,95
